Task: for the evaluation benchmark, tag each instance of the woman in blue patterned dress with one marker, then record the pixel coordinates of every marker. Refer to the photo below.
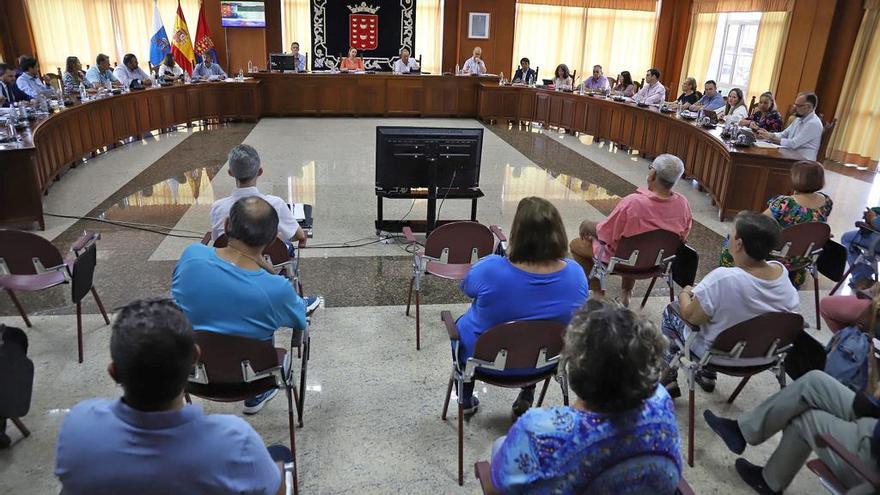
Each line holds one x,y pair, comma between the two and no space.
622,423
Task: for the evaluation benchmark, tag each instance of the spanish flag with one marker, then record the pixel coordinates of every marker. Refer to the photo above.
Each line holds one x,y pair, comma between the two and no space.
181,44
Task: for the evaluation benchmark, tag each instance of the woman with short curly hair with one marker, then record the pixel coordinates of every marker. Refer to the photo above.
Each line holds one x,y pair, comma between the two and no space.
614,358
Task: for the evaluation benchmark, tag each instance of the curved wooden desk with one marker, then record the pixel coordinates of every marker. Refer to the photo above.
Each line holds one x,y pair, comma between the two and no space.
736,178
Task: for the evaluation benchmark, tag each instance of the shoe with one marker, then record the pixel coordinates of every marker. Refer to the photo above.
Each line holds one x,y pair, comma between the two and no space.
255,404
471,406
673,390
312,303
706,381
728,430
754,477
523,402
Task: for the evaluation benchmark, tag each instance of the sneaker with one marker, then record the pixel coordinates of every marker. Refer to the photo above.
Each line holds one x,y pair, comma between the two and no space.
706,381
255,404
471,406
523,402
312,303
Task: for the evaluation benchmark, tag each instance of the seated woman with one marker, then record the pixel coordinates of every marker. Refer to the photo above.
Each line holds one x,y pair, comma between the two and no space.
73,77
862,272
352,61
730,295
625,84
805,204
765,115
689,94
534,282
562,78
735,109
169,71
621,423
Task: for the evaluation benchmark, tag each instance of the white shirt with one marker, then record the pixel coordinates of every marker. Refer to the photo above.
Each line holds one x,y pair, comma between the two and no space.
474,66
560,83
651,94
804,135
126,76
732,295
287,225
737,114
175,71
401,67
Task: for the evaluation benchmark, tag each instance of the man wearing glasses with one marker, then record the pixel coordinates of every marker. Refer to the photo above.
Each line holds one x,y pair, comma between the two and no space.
804,135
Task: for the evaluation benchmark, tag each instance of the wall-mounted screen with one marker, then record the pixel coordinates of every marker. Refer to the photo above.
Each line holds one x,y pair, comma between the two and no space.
234,13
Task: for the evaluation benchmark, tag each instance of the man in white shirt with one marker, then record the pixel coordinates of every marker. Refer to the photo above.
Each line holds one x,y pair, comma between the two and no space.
129,71
404,64
653,93
300,60
475,65
804,135
245,168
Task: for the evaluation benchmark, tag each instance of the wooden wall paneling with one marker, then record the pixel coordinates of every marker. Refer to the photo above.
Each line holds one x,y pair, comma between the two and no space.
568,113
273,30
407,96
371,97
542,107
246,44
845,27
673,28
527,103
497,50
804,49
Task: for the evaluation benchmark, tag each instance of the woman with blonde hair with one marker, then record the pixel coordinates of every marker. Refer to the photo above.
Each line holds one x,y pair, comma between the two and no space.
735,109
73,77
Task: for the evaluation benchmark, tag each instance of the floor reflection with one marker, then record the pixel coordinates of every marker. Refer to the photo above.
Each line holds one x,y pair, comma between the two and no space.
173,195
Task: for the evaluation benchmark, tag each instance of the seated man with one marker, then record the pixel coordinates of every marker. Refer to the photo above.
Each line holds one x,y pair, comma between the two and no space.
129,72
597,82
299,59
653,93
815,403
232,290
149,441
8,96
100,74
475,65
207,69
711,100
654,207
804,135
404,65
730,295
29,82
524,73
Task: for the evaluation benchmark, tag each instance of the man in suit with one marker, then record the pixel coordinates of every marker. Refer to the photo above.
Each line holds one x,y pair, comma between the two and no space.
7,80
524,73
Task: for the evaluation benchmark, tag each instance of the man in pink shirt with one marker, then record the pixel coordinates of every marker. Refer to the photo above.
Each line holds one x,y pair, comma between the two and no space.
649,208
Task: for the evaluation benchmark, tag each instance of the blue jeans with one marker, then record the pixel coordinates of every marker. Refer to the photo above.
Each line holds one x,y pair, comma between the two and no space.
849,240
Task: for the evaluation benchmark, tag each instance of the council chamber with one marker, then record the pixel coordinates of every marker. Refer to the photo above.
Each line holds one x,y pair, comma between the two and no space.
439,246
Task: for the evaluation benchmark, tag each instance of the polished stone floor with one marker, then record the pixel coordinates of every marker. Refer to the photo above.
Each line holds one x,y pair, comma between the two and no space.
373,403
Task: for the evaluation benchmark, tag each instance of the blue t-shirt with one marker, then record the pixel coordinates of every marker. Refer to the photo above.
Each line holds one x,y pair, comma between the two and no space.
106,447
218,296
565,450
503,292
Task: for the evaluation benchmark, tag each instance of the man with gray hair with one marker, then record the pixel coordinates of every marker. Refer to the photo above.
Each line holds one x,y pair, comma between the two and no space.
656,207
245,168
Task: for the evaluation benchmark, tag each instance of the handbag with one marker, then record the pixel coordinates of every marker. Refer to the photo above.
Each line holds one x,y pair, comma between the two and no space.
832,261
684,266
806,354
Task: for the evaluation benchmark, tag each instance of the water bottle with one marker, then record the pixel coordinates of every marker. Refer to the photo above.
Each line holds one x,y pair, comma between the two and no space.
581,89
10,125
457,70
501,81
83,96
250,67
240,75
186,78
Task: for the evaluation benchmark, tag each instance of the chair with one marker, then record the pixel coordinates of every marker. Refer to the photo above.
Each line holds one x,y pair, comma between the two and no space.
752,104
448,253
867,255
827,130
54,79
743,350
233,369
868,473
801,246
646,255
482,472
534,344
30,263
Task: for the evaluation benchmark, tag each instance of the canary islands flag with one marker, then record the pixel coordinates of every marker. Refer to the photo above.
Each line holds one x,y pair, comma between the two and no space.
159,45
181,43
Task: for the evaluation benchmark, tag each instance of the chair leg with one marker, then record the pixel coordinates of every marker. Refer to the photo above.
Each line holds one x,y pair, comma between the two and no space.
19,307
816,297
648,293
446,401
79,332
412,280
418,323
292,440
21,427
100,305
842,280
300,407
691,427
543,391
738,389
460,444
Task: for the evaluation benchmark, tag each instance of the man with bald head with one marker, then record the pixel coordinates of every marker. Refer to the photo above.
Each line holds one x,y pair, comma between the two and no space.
232,290
475,65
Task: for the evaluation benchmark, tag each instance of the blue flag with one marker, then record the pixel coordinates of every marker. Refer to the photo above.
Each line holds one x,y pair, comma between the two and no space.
159,44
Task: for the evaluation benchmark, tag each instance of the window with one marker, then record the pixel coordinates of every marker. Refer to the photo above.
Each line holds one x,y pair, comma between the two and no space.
736,36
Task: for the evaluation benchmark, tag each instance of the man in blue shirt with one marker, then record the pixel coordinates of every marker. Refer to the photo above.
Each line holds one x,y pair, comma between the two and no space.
233,290
29,81
207,69
100,74
150,442
300,65
711,100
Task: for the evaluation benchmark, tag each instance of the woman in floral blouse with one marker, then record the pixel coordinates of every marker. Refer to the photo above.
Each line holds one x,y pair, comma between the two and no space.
765,115
805,204
73,77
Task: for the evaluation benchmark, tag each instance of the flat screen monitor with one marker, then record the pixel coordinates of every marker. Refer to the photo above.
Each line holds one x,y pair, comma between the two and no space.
404,156
234,13
280,61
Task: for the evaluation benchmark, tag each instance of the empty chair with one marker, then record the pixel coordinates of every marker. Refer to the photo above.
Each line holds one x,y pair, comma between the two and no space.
449,252
30,263
802,245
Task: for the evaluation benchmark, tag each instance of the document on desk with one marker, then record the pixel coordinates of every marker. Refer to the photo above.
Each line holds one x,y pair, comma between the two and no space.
766,144
299,213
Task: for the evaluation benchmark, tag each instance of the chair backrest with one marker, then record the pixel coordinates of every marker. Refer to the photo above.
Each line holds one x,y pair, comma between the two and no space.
224,355
276,250
522,340
83,273
461,242
827,129
657,474
19,249
752,105
760,334
803,239
653,247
